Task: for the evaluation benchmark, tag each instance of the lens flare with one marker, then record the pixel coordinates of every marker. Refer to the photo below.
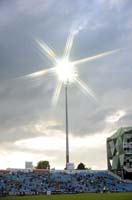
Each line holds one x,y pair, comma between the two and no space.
37,74
47,50
81,61
69,44
85,88
63,68
57,93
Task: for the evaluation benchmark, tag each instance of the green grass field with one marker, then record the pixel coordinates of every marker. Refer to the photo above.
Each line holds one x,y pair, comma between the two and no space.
114,196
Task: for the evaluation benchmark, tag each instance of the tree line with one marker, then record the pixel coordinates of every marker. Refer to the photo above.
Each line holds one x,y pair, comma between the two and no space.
44,164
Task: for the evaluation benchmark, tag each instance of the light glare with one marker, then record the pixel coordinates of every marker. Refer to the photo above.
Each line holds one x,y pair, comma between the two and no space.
66,71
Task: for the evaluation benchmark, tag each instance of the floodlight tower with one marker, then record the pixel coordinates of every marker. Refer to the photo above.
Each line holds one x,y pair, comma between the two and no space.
67,73
67,131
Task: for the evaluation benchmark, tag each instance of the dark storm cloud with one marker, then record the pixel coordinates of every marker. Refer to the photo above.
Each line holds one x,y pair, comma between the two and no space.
99,26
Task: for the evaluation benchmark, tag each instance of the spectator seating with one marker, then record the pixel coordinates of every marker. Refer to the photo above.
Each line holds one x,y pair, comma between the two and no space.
21,183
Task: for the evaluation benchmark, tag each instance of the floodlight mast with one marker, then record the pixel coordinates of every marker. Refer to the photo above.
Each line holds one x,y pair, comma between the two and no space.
67,73
67,131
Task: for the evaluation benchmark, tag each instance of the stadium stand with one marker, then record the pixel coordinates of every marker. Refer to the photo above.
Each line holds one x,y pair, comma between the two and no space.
119,153
58,182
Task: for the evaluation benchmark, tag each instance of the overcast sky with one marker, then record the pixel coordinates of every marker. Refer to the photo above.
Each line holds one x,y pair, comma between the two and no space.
31,127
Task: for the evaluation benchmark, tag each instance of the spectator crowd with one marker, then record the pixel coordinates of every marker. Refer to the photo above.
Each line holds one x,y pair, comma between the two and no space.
57,182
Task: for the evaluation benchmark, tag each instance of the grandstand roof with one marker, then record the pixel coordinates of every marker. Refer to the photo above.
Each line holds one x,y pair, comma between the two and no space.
120,132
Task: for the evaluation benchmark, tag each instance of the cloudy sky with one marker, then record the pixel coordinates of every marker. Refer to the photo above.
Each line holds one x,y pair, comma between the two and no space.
32,128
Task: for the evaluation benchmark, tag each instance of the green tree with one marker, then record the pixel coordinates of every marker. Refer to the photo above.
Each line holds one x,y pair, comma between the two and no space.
43,164
88,168
81,166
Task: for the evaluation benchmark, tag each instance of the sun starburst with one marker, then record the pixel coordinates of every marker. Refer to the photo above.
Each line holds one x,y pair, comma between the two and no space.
66,71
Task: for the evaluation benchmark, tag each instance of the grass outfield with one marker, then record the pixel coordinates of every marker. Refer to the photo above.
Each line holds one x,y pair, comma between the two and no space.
113,196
